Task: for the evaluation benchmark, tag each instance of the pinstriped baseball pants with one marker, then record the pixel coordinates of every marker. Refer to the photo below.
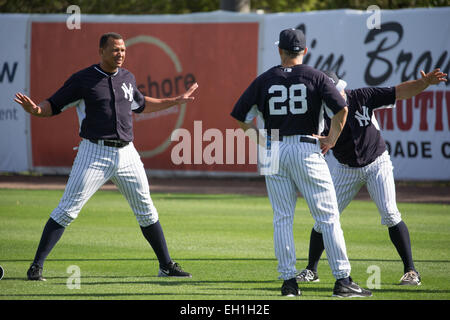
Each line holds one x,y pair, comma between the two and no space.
94,165
379,179
303,168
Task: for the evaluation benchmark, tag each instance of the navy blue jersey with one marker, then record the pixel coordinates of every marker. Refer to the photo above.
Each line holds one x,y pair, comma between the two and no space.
360,142
289,99
104,102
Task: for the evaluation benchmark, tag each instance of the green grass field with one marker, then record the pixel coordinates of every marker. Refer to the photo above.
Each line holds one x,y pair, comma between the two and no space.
225,241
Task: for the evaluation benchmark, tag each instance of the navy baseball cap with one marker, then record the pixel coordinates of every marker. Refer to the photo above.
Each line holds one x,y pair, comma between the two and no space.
339,83
292,40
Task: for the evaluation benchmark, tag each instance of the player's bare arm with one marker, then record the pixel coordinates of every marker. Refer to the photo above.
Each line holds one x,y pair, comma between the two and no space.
408,89
245,126
155,104
337,124
254,133
44,108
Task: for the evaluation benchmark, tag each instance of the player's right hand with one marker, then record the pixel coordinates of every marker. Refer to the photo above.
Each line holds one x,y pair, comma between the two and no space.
27,104
326,143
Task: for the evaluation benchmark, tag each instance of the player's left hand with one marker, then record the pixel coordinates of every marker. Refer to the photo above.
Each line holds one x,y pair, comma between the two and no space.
434,77
186,97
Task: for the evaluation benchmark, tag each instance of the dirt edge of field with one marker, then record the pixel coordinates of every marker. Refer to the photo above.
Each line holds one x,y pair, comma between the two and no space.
417,192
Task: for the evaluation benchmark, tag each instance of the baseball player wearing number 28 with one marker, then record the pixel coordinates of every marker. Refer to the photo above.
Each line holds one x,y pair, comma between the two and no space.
105,96
363,160
289,98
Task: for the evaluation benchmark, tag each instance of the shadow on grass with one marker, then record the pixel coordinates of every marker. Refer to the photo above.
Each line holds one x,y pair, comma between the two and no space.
324,292
401,289
101,295
212,259
149,280
211,288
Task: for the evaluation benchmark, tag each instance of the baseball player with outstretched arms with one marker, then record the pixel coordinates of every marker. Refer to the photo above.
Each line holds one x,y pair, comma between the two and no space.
363,160
105,96
289,99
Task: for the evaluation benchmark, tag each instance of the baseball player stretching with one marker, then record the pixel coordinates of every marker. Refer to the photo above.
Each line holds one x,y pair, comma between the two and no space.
105,95
363,160
289,98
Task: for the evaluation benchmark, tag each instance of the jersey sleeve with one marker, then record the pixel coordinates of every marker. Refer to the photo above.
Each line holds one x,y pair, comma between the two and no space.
67,95
331,97
244,108
376,97
138,104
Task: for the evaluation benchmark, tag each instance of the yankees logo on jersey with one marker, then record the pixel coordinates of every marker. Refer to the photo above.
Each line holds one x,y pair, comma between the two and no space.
88,89
128,91
364,118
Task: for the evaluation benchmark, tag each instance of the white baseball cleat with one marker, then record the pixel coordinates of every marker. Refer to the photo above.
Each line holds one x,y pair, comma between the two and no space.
307,275
411,278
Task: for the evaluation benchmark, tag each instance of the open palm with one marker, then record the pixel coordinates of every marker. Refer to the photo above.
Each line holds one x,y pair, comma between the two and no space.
27,104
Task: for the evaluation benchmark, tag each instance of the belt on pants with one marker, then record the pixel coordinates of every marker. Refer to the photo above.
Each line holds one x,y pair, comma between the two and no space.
110,143
302,139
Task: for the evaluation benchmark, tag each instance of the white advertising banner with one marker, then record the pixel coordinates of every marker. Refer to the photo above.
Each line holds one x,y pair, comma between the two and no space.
366,48
14,127
384,48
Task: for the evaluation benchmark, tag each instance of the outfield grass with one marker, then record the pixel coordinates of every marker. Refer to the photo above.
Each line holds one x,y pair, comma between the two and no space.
225,241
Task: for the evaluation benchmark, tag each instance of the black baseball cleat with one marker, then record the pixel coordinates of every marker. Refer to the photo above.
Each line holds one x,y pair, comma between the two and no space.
307,275
35,273
173,269
290,288
351,290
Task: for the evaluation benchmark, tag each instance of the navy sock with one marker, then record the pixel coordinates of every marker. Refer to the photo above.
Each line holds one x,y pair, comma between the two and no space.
50,236
316,248
399,235
155,236
345,281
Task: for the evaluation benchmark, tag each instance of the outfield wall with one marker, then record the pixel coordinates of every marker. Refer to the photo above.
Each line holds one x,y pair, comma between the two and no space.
223,52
